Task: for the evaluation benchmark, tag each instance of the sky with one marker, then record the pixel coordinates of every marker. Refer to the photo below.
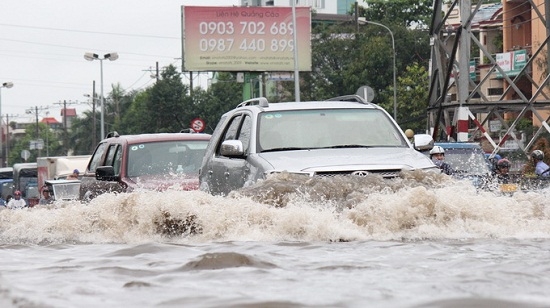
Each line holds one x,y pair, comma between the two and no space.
42,46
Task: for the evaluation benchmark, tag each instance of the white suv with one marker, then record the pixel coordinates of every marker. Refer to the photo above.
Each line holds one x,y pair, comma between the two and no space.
340,136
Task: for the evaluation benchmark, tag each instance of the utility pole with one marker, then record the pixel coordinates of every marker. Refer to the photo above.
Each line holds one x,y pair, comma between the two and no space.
65,126
8,138
36,142
154,73
94,129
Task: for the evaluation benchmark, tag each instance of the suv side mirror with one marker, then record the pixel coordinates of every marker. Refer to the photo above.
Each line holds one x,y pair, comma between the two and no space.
105,173
232,148
423,142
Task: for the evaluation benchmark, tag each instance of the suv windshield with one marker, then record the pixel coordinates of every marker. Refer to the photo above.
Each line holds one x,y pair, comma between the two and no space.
153,158
326,128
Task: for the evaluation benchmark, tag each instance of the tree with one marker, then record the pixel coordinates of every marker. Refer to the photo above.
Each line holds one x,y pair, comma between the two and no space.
413,98
405,13
224,95
346,57
167,104
81,140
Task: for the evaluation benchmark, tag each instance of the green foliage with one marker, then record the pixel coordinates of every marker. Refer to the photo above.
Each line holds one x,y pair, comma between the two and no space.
413,98
224,95
345,59
405,13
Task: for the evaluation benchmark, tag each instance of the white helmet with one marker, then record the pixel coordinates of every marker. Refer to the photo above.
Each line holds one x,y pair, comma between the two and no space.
437,150
537,154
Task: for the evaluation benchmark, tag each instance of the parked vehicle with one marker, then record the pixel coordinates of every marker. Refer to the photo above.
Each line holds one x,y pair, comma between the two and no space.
25,179
59,167
341,136
122,163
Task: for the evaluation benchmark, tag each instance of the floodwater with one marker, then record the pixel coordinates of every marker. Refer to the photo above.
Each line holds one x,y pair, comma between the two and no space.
288,242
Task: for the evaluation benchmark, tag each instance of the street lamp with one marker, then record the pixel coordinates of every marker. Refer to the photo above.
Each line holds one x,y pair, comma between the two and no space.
363,21
4,85
112,57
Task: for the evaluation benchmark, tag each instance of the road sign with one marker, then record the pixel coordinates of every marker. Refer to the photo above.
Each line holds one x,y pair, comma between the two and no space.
25,154
37,144
366,92
198,125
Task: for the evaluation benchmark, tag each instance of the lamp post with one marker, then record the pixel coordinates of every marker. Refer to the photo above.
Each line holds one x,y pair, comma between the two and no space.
4,85
363,21
112,57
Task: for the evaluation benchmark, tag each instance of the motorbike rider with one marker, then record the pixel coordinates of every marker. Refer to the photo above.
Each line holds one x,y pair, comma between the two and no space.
502,168
541,168
17,202
437,154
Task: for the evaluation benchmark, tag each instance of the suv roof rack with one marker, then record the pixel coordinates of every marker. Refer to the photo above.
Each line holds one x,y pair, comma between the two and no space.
112,134
259,101
349,98
188,131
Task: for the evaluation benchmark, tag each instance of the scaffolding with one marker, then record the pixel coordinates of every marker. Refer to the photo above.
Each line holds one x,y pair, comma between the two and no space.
460,107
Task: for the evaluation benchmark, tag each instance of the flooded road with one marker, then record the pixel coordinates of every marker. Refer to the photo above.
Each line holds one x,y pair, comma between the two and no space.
288,242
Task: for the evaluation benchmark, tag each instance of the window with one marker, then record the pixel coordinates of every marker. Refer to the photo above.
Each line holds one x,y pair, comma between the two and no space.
110,155
318,128
315,4
245,132
495,91
96,158
117,161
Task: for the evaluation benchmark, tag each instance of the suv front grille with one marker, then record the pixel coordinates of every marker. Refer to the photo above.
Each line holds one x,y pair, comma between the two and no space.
388,173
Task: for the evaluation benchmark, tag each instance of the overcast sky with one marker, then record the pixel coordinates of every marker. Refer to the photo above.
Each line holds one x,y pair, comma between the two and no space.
42,46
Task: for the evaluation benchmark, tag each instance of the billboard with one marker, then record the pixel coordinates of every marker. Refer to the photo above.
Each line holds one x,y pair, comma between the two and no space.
245,38
511,62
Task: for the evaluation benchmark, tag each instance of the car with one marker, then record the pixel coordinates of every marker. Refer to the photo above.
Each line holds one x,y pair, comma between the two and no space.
123,163
468,161
344,135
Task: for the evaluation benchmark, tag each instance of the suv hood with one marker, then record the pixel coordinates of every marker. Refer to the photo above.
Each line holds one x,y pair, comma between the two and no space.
353,159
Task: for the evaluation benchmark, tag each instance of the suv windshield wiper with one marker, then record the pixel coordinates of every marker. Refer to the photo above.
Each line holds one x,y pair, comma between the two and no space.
286,149
341,146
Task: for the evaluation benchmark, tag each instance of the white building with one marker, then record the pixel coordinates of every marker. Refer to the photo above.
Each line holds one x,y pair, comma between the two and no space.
341,7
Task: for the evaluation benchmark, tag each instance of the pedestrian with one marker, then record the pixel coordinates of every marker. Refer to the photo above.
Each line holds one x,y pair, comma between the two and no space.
437,154
17,202
541,168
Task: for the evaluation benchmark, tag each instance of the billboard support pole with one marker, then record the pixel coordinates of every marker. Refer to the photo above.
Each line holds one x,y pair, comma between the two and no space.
296,70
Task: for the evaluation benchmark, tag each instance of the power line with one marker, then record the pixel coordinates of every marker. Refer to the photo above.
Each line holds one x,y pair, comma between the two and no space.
90,32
